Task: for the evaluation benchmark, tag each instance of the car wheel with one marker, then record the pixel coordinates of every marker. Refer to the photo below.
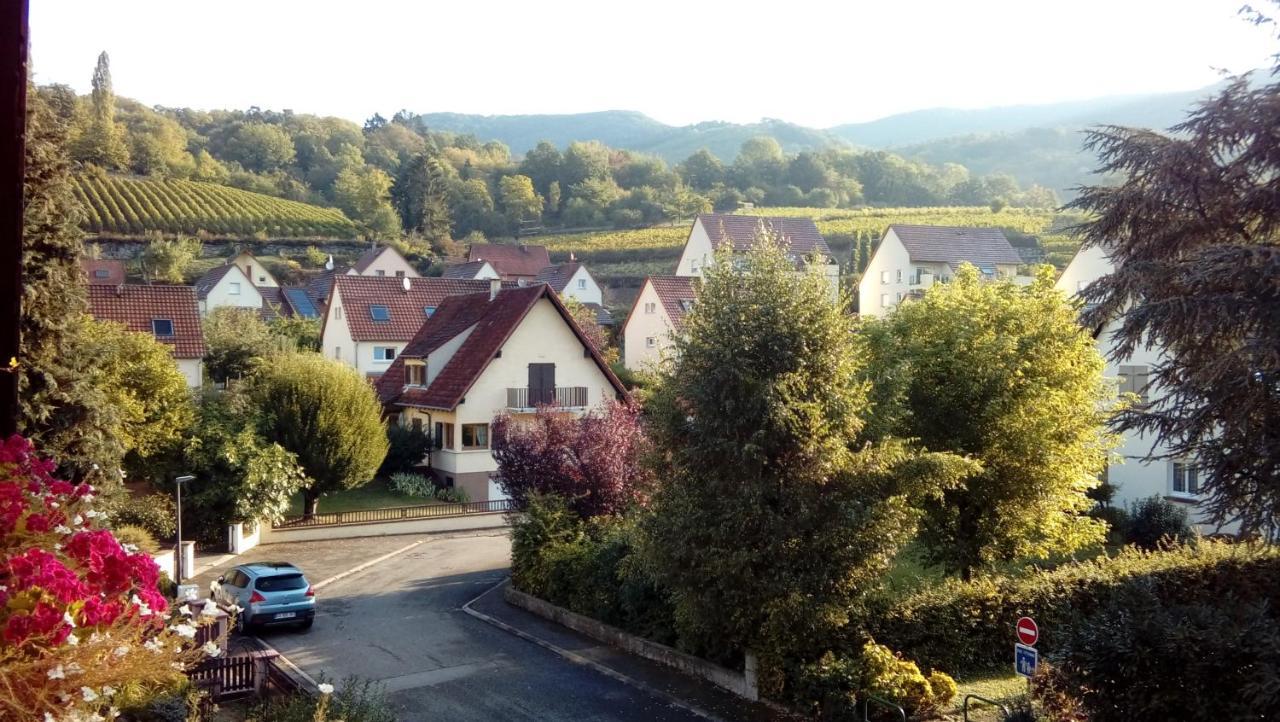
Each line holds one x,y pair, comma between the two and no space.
307,624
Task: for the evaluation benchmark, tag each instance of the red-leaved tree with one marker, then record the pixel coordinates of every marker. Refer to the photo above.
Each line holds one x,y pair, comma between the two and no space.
594,461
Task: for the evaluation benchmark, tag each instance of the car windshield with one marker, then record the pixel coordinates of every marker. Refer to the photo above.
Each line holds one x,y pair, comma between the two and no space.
281,583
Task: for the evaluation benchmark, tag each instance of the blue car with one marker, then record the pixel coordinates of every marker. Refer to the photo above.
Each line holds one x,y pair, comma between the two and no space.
268,593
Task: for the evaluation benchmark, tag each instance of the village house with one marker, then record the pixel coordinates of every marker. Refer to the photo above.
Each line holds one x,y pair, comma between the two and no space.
169,313
503,350
910,259
227,285
477,270
382,261
103,271
244,282
1176,480
739,234
370,319
572,280
656,317
521,263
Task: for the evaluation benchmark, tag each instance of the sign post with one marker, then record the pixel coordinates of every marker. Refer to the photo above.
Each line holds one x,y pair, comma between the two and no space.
1025,656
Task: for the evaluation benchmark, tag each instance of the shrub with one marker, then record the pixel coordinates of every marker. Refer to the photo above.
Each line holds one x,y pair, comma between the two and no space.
156,513
1141,657
413,485
452,496
140,538
1154,521
357,700
831,686
1117,520
406,448
968,626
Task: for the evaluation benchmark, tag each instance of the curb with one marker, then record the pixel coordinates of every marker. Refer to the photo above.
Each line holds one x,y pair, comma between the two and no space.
579,659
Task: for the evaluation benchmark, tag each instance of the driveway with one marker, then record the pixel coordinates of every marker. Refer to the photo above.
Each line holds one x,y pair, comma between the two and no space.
401,622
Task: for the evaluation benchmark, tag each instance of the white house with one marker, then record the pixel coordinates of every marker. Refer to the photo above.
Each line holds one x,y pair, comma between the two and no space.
657,315
254,270
370,319
382,261
714,231
170,313
910,259
1175,480
572,280
483,354
478,270
228,285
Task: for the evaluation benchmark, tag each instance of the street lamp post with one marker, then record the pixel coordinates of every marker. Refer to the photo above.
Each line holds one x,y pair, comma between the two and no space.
177,559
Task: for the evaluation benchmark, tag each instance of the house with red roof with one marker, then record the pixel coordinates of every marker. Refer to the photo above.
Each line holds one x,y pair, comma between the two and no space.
103,271
912,258
470,269
503,350
712,232
228,285
520,263
169,313
655,319
370,319
383,261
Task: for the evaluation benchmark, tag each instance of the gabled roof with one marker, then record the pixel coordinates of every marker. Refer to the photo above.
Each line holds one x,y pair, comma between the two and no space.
463,270
318,287
103,271
510,260
299,301
367,258
677,294
406,309
800,235
136,306
494,321
955,244
215,275
559,275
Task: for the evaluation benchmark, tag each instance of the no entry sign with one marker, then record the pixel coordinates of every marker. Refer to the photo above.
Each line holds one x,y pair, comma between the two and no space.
1028,631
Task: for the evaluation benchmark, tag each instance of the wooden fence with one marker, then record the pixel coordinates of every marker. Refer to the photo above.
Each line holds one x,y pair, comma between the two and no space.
253,674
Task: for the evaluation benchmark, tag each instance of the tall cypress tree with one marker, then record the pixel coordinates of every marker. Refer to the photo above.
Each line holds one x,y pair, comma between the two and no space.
419,195
102,142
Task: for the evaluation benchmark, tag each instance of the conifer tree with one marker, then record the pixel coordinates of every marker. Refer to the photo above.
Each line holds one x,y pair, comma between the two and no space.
102,142
420,197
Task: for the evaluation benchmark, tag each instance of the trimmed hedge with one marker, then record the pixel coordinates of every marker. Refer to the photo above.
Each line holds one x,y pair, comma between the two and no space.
968,627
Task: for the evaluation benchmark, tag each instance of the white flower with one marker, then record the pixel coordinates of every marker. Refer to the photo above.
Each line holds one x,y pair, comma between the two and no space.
178,666
62,529
210,608
130,548
57,547
72,639
113,713
74,668
154,645
77,520
120,651
185,630
57,673
95,638
53,505
88,694
93,514
49,717
325,688
211,649
187,611
66,617
108,691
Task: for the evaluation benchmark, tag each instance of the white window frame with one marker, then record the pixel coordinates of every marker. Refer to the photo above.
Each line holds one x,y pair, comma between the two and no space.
1136,379
380,353
233,288
884,301
650,308
884,277
582,284
651,342
1186,472
899,275
156,333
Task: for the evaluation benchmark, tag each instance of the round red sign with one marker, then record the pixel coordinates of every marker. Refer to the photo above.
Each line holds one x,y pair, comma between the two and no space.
1028,631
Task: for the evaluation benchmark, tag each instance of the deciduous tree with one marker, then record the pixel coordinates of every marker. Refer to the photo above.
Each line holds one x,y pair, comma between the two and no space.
235,339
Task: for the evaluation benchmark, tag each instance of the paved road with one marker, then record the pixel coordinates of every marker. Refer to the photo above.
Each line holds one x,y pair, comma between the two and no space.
401,622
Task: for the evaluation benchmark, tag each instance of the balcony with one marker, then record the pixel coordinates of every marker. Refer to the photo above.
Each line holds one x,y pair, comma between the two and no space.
566,397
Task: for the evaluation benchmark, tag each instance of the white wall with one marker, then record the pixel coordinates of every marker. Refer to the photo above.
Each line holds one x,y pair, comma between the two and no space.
221,294
698,252
256,272
486,272
389,262
890,257
583,288
193,370
337,335
641,326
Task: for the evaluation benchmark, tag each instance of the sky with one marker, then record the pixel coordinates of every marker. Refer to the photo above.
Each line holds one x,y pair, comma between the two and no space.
680,61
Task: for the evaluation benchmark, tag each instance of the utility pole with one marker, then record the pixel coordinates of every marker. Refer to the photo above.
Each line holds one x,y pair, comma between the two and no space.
13,127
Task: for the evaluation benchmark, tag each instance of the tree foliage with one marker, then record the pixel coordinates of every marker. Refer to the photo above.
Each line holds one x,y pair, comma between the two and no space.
1013,363
326,414
167,259
235,339
420,195
763,475
1193,232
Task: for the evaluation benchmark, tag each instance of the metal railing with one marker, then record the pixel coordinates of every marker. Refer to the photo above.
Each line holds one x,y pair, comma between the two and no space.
394,513
563,396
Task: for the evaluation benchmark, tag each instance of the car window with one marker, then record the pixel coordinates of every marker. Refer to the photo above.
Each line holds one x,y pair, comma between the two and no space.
238,579
281,583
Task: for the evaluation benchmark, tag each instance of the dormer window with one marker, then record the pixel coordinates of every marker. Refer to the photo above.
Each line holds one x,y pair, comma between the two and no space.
686,304
380,314
162,327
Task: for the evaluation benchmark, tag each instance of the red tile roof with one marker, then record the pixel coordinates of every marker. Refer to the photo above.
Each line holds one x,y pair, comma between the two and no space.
136,306
559,275
463,270
494,320
677,294
954,244
511,261
741,232
407,309
94,269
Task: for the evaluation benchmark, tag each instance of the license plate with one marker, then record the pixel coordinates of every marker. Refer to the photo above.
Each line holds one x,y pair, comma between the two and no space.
286,615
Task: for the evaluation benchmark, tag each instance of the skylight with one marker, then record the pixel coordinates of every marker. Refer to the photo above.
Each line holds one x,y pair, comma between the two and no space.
429,310
162,326
380,313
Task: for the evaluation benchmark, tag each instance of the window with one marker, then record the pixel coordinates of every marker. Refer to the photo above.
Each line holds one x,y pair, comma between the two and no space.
686,304
582,284
650,307
448,436
899,275
884,300
417,372
381,314
379,272
337,352
399,274
384,353
162,327
884,276
337,313
475,436
428,311
1134,380
448,482
262,279
898,297
1186,479
417,423
651,342
233,288
987,271
281,583
101,273
693,266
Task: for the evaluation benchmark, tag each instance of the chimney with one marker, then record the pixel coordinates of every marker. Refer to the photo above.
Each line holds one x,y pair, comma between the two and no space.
572,257
495,285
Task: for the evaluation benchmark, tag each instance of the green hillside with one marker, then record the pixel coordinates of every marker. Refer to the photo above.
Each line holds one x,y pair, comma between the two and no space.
133,206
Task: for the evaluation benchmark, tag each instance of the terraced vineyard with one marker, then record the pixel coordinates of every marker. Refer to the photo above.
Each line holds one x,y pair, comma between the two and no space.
132,206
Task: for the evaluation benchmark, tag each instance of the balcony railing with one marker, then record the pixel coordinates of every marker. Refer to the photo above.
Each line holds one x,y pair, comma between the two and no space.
562,396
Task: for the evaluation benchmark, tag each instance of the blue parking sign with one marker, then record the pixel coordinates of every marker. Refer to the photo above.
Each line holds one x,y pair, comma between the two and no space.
1025,659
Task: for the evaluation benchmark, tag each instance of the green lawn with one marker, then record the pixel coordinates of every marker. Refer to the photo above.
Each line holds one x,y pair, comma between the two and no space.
1006,688
374,495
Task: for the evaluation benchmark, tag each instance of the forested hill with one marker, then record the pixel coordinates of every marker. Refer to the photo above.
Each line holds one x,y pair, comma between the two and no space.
629,130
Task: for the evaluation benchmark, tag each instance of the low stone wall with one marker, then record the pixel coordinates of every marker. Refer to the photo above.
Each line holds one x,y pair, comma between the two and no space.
744,685
462,522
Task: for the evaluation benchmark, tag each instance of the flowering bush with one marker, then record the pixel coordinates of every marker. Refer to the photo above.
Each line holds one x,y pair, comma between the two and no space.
84,629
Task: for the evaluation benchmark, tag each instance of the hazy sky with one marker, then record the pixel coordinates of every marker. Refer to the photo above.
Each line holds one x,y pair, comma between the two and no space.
814,63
